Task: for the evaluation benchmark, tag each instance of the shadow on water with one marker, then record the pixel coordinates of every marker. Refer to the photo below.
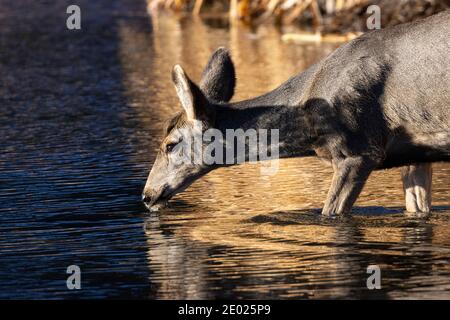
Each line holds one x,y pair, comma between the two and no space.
81,118
69,194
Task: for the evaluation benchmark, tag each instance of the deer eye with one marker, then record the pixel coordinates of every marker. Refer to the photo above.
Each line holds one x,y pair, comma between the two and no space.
170,146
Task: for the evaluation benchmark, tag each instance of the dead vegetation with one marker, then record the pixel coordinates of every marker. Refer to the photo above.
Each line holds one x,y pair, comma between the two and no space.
327,16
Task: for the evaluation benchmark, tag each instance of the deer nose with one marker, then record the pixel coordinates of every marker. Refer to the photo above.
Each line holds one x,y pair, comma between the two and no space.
146,199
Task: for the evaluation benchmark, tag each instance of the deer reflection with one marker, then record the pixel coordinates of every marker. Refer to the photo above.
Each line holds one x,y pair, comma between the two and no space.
177,270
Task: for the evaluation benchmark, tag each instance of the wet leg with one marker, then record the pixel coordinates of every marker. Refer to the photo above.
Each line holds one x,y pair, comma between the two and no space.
350,175
417,187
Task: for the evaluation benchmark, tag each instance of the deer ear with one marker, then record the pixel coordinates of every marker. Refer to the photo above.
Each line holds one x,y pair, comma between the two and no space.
219,78
191,98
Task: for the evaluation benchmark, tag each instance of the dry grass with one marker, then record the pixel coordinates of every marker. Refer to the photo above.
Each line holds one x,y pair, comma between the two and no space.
329,16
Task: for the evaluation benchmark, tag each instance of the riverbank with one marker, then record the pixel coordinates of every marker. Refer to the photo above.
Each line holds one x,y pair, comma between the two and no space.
324,16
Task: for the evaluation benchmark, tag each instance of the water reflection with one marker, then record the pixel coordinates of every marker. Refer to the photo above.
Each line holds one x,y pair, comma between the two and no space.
294,254
236,234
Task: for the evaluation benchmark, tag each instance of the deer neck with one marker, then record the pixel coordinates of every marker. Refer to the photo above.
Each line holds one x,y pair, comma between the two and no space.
287,122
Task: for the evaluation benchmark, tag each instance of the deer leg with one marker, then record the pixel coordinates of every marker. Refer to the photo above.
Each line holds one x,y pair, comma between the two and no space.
417,187
350,175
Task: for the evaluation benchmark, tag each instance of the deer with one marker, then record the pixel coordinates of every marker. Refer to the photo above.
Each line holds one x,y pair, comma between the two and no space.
377,102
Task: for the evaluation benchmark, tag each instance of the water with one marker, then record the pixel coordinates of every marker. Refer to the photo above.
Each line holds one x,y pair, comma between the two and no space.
80,120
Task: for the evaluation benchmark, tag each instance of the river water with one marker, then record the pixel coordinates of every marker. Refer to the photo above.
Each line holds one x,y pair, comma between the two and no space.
81,116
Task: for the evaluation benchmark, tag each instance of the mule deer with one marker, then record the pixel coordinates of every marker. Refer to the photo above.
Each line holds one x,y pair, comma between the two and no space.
379,101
